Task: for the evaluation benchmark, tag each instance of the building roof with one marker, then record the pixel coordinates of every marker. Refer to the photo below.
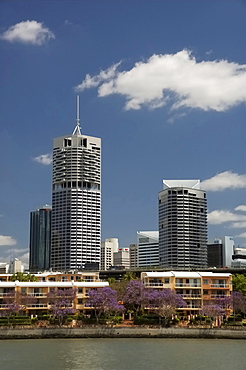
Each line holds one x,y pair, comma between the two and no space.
193,184
54,284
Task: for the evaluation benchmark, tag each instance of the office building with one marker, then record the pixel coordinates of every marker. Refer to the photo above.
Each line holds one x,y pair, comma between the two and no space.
220,252
108,248
239,257
148,248
40,239
133,250
182,224
122,258
76,201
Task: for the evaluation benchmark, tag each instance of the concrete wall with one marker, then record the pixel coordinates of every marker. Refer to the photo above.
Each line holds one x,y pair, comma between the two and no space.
134,332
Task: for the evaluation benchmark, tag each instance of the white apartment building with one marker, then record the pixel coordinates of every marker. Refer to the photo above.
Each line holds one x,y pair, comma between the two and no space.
108,248
147,248
76,201
182,224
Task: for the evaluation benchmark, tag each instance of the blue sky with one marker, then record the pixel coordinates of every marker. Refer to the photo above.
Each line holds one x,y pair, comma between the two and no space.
163,83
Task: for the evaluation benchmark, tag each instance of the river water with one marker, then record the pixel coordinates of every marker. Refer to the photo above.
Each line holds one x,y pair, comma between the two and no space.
122,354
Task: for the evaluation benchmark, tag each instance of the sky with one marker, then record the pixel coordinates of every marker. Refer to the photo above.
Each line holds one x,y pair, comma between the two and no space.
163,83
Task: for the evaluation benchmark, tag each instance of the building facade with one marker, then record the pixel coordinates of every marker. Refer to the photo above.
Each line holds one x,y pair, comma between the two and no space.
108,248
76,201
40,239
196,288
182,224
148,248
133,250
48,282
122,258
220,252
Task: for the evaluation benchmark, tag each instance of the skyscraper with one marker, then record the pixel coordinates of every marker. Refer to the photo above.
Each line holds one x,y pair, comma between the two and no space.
76,200
40,239
182,224
148,248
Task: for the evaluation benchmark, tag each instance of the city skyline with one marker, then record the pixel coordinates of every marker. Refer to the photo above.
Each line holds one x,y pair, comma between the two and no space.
167,100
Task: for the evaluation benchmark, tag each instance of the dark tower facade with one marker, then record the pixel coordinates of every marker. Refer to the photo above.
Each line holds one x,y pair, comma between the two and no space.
40,239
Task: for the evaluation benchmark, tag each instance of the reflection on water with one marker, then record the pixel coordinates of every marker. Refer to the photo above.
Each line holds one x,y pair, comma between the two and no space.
122,354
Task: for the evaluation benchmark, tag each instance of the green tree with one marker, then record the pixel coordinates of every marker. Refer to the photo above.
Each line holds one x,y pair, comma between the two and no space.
129,276
21,276
239,283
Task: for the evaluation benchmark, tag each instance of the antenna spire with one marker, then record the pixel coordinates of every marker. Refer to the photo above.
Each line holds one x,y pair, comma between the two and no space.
77,130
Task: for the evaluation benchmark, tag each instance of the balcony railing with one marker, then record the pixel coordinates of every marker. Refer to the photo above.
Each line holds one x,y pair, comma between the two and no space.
192,285
155,285
218,296
220,285
193,306
195,296
34,305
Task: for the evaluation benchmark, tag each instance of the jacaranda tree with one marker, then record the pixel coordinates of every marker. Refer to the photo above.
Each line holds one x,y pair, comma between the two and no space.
213,311
164,302
104,302
61,301
136,297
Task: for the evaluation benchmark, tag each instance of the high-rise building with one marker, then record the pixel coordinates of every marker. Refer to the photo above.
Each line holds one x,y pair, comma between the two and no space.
182,224
148,248
133,250
40,239
76,201
108,248
220,251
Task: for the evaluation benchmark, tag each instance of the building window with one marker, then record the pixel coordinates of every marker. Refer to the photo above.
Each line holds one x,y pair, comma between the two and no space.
166,281
205,281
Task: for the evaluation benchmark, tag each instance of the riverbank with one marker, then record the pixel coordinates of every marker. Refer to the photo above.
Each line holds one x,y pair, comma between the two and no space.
121,332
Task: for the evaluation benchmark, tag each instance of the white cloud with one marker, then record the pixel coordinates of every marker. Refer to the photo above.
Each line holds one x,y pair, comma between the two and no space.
45,159
7,240
218,217
241,208
238,225
106,75
208,85
24,258
243,235
28,32
224,180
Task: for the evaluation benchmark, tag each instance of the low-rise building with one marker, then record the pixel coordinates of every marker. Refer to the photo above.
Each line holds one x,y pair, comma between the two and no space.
39,291
196,288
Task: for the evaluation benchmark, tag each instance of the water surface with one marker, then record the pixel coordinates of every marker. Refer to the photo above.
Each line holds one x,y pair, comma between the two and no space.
122,354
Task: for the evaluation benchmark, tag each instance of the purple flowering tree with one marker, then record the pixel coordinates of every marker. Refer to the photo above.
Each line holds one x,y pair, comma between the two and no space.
15,302
136,297
165,302
238,302
61,301
104,302
214,311
235,302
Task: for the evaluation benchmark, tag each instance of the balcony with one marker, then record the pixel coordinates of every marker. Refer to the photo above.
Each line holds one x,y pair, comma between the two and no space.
189,285
218,296
193,306
192,296
220,286
37,305
37,294
155,285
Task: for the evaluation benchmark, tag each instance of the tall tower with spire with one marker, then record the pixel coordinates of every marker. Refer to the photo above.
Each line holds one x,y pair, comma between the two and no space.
76,200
